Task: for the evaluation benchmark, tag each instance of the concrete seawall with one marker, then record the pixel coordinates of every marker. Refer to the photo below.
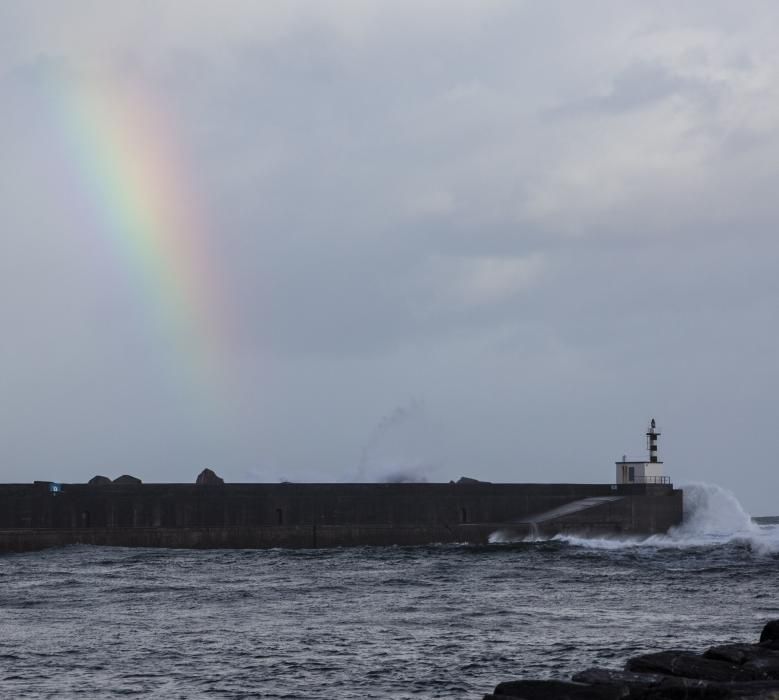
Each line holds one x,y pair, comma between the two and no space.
321,515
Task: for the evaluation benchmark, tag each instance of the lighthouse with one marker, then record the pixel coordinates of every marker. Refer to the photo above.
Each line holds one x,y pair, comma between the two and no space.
651,441
641,471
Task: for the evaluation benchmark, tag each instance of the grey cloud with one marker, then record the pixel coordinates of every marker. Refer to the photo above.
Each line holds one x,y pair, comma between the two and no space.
640,85
393,213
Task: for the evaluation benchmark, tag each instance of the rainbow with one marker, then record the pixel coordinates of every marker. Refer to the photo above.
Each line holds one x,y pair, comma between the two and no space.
136,178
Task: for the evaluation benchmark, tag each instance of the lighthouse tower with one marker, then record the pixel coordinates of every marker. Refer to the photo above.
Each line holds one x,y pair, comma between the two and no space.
630,471
651,441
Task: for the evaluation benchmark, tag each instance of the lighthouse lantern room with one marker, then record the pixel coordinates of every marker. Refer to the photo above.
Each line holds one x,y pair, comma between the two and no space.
643,471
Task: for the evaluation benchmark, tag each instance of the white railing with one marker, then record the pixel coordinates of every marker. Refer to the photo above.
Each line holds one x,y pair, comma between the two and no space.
652,480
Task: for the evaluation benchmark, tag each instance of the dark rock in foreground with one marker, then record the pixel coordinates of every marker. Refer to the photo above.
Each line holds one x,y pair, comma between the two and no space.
542,690
770,632
604,676
690,665
721,673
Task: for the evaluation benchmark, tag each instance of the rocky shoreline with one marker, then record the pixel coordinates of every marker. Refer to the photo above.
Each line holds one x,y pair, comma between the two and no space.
720,673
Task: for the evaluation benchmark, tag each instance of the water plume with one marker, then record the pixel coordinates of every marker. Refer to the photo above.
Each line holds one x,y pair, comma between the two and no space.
397,448
713,517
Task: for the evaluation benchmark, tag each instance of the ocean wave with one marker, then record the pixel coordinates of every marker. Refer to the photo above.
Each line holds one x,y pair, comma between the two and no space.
713,517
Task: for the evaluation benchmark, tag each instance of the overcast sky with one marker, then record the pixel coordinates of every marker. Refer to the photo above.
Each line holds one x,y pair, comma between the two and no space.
442,238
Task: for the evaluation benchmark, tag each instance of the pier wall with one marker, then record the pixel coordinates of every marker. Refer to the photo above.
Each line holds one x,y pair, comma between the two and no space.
313,515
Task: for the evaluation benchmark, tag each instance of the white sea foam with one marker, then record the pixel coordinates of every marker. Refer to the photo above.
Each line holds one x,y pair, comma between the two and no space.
508,536
712,516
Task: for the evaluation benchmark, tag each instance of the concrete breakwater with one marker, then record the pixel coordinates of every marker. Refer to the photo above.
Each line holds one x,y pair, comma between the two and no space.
722,672
215,515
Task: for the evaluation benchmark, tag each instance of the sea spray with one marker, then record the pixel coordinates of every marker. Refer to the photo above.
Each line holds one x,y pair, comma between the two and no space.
713,516
399,449
508,536
711,511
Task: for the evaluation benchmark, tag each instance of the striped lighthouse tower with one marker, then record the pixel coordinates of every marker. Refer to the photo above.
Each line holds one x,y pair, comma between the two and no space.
641,471
651,441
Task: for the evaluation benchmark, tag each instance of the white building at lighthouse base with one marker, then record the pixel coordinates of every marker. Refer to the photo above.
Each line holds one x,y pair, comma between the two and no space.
638,472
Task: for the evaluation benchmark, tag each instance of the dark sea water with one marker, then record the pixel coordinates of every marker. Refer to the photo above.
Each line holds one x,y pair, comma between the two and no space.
417,622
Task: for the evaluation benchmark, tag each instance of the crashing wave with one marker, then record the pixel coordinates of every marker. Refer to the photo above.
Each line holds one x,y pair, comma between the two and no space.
713,516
